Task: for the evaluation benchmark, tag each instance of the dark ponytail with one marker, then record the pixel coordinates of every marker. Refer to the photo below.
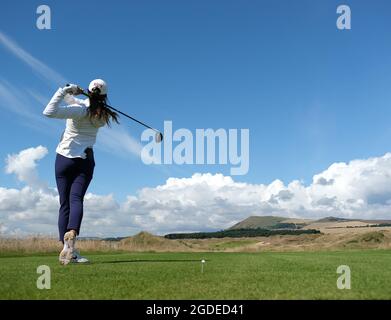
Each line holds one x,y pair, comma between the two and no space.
98,111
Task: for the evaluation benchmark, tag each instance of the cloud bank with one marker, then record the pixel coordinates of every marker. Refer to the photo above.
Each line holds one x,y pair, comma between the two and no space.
359,189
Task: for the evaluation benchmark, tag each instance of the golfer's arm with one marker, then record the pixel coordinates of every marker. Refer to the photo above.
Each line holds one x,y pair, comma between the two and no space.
53,109
69,99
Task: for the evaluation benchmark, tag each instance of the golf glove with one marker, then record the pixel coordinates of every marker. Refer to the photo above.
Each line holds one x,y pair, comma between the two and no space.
71,89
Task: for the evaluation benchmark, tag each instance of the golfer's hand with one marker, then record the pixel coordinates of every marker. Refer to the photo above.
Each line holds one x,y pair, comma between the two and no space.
72,89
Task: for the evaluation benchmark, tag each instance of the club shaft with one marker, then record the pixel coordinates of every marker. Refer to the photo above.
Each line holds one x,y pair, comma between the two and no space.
130,117
126,115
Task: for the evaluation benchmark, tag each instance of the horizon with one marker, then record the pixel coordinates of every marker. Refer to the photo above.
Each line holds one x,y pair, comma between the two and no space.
117,238
315,100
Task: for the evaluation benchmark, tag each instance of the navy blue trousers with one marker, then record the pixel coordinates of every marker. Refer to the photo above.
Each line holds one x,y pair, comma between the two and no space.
73,176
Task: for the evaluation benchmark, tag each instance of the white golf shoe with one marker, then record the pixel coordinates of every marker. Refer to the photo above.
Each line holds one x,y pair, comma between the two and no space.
69,254
77,258
63,256
66,254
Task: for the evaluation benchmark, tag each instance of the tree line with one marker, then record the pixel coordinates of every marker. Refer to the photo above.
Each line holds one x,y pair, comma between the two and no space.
238,233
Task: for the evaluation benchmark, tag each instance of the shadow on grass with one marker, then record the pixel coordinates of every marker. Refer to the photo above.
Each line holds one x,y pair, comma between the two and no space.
150,260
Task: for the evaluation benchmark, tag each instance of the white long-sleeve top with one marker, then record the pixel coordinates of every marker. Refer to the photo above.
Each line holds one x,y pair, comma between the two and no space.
80,131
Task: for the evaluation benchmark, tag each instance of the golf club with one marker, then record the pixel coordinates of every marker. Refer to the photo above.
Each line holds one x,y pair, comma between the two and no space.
158,136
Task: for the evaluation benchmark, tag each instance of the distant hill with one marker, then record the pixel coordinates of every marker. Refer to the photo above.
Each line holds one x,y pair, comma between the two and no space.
325,225
256,222
333,219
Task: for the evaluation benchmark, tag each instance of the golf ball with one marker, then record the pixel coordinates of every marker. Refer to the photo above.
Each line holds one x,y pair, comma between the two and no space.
203,261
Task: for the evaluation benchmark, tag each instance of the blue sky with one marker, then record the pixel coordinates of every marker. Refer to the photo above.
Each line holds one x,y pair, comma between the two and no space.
311,94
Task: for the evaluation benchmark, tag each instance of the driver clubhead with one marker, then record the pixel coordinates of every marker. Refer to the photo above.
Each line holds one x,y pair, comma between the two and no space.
158,137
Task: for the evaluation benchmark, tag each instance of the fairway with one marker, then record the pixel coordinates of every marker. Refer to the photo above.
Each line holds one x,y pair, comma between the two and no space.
304,275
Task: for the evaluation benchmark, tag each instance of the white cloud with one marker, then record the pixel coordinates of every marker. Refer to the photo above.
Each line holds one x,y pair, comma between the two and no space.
16,200
359,189
24,165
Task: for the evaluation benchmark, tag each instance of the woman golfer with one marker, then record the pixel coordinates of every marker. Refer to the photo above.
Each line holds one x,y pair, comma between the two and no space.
75,163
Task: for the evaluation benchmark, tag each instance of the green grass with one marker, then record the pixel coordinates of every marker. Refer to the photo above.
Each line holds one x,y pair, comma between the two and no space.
293,275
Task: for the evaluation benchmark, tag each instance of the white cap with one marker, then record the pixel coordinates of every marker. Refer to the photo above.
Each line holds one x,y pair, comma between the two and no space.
98,83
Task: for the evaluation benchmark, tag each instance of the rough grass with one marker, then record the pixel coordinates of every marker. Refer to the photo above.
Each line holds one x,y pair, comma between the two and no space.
267,275
224,245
